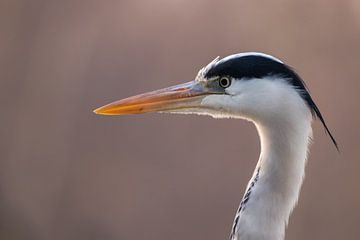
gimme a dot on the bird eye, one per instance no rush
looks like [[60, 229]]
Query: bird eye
[[224, 82]]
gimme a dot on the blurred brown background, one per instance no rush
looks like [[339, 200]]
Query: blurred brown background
[[66, 173]]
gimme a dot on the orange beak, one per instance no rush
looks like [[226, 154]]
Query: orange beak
[[183, 96]]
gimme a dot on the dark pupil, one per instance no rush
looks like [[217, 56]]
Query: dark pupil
[[224, 82]]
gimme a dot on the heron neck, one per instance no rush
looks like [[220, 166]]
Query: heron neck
[[274, 188]]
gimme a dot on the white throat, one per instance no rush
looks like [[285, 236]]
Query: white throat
[[274, 189]]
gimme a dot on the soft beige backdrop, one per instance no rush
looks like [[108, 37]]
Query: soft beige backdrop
[[68, 174]]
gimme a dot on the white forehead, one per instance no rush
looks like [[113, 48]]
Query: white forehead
[[250, 54]]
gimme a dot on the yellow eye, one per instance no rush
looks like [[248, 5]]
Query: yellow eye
[[224, 82]]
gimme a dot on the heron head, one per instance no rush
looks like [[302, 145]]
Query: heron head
[[254, 86], [246, 85]]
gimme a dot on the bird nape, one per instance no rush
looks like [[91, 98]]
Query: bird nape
[[261, 89]]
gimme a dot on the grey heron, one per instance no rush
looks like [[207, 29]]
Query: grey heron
[[262, 89]]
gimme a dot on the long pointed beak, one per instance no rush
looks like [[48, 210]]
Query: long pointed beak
[[187, 95]]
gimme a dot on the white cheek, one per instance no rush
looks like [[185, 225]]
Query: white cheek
[[222, 106], [226, 102], [237, 87], [234, 104]]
